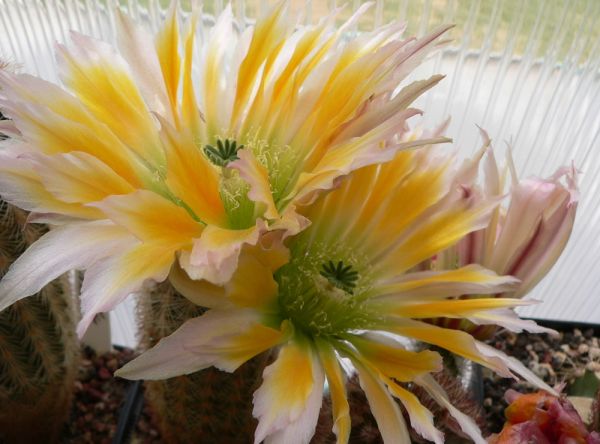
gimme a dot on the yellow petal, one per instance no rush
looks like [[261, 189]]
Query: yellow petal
[[78, 177], [337, 391], [108, 282], [190, 115], [434, 230], [252, 284], [421, 419], [190, 176], [456, 341], [221, 338], [55, 122], [453, 308], [394, 361], [100, 79], [200, 292], [151, 217], [167, 48], [436, 285], [267, 36], [290, 396], [385, 410]]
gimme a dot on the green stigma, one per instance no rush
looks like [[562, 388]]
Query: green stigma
[[343, 277], [321, 296], [225, 152]]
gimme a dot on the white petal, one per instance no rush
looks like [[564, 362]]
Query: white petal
[[65, 248], [515, 365], [108, 282], [508, 319], [466, 424], [137, 47], [210, 339], [385, 410], [302, 430], [287, 404]]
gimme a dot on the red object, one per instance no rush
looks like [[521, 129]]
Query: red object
[[540, 418]]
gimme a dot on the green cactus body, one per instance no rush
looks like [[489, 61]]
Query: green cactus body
[[38, 347], [209, 406]]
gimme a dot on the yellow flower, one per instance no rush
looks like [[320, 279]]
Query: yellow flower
[[155, 153], [349, 290]]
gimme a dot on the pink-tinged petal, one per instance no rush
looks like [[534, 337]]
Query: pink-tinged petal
[[251, 284], [385, 410], [375, 113], [78, 177], [536, 228], [151, 217], [221, 338], [337, 390], [287, 403], [437, 285], [68, 247], [421, 419], [466, 424], [215, 254], [21, 185], [257, 176], [138, 49], [108, 282], [508, 319], [8, 128]]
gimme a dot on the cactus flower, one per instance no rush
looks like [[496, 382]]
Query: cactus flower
[[153, 156], [523, 239], [348, 290]]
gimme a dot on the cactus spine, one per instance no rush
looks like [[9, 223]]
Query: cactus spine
[[38, 347], [207, 406]]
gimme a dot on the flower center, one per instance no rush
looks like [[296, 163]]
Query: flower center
[[225, 152], [322, 297]]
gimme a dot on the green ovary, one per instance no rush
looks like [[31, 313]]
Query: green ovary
[[315, 302]]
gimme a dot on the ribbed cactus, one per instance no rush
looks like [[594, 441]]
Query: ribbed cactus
[[209, 406], [38, 347]]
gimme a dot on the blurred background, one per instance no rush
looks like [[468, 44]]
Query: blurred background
[[525, 70]]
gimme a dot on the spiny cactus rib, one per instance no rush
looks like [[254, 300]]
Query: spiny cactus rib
[[38, 347], [206, 406]]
